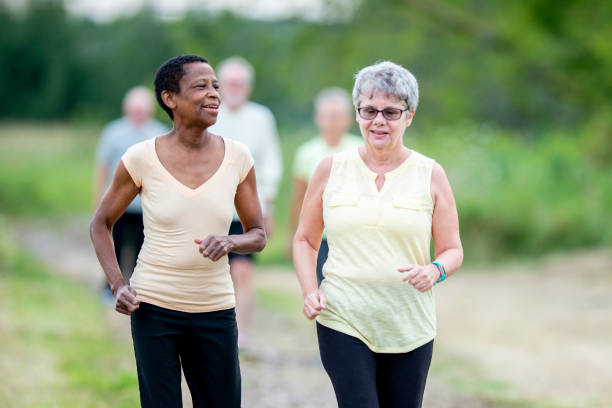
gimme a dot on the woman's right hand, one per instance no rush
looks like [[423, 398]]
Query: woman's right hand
[[314, 302], [126, 301], [214, 247]]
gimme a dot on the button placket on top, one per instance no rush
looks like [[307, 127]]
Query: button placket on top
[[379, 194]]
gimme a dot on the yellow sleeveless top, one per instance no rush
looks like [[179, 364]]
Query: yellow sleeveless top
[[370, 235]]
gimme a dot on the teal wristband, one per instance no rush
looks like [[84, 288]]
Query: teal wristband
[[442, 271]]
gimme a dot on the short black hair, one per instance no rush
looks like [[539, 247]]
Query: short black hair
[[169, 74]]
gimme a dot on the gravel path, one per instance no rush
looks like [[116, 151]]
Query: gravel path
[[541, 332]]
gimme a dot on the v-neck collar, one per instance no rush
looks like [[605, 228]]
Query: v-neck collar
[[181, 186]]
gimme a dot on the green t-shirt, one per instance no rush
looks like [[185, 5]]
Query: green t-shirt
[[309, 155]]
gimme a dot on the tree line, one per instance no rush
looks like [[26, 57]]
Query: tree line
[[518, 65]]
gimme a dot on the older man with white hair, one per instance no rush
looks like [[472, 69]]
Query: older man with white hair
[[136, 125], [254, 125]]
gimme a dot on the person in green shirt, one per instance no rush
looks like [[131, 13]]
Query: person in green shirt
[[333, 118]]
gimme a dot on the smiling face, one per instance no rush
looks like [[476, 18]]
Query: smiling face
[[198, 100], [380, 133]]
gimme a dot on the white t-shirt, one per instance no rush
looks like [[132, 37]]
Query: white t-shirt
[[254, 125]]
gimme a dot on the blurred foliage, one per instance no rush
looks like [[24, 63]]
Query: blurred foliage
[[46, 169], [520, 65], [521, 197], [516, 196]]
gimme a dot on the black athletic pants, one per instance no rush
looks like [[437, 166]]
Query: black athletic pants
[[204, 344], [362, 378], [321, 258]]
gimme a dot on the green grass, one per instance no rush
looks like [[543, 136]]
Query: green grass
[[285, 304], [46, 169], [57, 349], [461, 375]]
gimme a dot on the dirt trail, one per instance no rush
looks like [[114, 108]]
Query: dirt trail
[[540, 332]]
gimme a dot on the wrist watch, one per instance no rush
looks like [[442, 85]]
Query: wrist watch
[[442, 271]]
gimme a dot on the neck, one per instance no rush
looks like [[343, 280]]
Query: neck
[[191, 136], [389, 157]]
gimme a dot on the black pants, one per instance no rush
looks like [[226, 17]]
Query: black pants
[[204, 344], [128, 236], [321, 258], [362, 378]]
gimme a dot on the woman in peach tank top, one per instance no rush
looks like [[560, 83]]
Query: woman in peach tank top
[[180, 297], [381, 205]]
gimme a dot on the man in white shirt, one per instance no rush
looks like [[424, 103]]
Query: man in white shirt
[[253, 125]]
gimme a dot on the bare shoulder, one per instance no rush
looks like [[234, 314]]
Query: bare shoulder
[[322, 172], [438, 174], [440, 186]]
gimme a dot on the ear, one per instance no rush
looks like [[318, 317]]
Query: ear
[[168, 98], [356, 114], [409, 117]]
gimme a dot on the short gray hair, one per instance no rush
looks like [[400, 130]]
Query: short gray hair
[[333, 94], [390, 78], [237, 61]]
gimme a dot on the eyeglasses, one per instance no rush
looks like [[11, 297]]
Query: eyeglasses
[[369, 113]]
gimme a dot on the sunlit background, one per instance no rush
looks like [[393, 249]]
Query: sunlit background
[[516, 102]]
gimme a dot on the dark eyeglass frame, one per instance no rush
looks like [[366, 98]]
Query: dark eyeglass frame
[[381, 111]]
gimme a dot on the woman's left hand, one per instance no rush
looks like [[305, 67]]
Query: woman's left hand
[[214, 247], [422, 277]]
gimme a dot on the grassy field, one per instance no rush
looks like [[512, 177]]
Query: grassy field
[[55, 351], [46, 169]]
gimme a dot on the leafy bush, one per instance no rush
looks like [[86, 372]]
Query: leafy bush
[[521, 196]]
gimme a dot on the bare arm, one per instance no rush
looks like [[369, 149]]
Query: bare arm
[[308, 239], [445, 223], [249, 210], [120, 194], [445, 232]]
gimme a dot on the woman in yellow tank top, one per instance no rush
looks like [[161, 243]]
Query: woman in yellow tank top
[[380, 204]]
